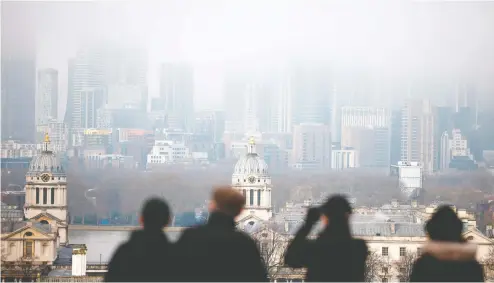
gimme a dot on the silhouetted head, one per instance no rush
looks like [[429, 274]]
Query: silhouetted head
[[444, 225], [155, 214], [227, 201], [335, 213]]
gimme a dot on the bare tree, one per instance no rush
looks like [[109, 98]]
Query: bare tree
[[25, 267], [373, 266], [488, 263], [272, 247], [404, 266]]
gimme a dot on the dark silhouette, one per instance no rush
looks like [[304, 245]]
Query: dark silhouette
[[334, 256], [217, 251], [147, 256], [447, 257]]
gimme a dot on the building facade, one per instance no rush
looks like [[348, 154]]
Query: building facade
[[311, 146], [47, 96]]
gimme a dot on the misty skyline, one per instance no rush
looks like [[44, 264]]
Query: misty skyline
[[399, 42]]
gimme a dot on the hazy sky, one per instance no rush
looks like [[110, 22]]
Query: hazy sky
[[396, 40]]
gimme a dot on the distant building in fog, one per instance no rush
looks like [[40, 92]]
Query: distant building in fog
[[417, 134], [367, 129], [177, 92], [344, 159], [311, 147], [46, 96]]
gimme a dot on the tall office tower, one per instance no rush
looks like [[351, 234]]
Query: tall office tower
[[367, 129], [87, 103], [47, 96], [86, 72], [311, 146], [18, 68], [311, 98], [177, 90], [443, 123], [395, 141], [445, 151], [417, 134]]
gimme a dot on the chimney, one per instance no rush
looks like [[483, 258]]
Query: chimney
[[79, 261], [392, 227]]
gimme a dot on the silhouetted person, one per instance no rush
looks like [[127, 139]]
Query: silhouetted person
[[146, 257], [334, 255], [447, 256], [217, 251]]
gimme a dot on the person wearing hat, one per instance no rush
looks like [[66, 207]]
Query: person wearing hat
[[335, 256], [447, 256]]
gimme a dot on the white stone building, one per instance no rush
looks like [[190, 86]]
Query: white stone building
[[251, 178], [167, 152], [344, 159]]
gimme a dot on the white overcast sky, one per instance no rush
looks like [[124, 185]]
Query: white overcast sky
[[447, 39]]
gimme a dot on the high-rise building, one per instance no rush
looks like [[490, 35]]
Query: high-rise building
[[445, 152], [417, 134], [18, 68], [395, 141], [177, 90], [367, 129], [311, 146], [87, 103], [47, 96]]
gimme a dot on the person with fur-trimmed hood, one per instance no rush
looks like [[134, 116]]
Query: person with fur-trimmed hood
[[447, 257]]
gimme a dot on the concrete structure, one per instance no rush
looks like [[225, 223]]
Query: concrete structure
[[409, 178], [445, 156], [417, 134], [251, 177], [47, 96], [367, 129], [311, 146], [344, 159], [458, 144]]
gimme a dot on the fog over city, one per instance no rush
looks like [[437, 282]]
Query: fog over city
[[341, 119], [390, 42]]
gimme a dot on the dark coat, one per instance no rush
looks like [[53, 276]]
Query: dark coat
[[452, 262], [218, 252], [326, 259], [146, 257]]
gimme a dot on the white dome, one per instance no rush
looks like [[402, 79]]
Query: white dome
[[251, 164], [46, 162]]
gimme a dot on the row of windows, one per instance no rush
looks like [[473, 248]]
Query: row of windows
[[45, 195], [403, 251]]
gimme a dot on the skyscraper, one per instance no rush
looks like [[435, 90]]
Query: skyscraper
[[177, 90], [311, 146], [18, 68], [367, 129], [417, 134], [47, 96]]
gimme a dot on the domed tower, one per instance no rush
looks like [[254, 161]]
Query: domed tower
[[251, 178], [46, 192]]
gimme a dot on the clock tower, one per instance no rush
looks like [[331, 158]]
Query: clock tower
[[46, 192], [251, 178]]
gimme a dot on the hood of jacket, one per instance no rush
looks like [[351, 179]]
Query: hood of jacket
[[451, 251]]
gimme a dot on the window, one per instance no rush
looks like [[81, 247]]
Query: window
[[37, 195], [385, 270], [28, 249], [245, 197], [469, 238], [251, 197], [52, 196], [402, 270], [385, 251], [45, 196], [44, 222], [403, 251], [259, 198], [385, 279]]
